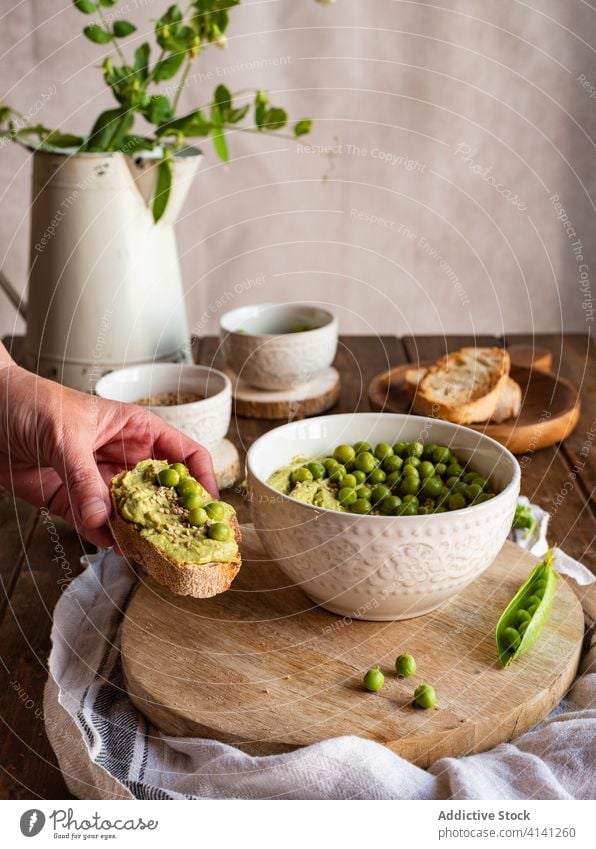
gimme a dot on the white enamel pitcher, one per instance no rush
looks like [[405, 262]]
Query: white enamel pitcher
[[105, 289]]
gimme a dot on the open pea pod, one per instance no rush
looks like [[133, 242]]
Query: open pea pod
[[525, 616]]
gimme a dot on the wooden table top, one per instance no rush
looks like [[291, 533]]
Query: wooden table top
[[560, 479]]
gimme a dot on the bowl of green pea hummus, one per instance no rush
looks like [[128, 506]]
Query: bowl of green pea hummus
[[374, 566]]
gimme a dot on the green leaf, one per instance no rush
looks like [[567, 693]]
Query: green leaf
[[303, 127], [163, 188], [87, 7], [194, 124], [141, 65], [275, 119], [133, 144], [97, 34], [123, 28], [108, 3], [235, 115], [65, 140], [159, 110], [168, 68], [109, 129], [219, 143], [223, 99], [5, 113]]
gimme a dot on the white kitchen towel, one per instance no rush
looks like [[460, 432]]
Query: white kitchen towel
[[107, 750]]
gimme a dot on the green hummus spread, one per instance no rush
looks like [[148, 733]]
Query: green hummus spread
[[162, 520], [320, 493]]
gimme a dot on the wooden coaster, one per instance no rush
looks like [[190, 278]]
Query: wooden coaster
[[309, 399], [549, 412], [262, 668], [226, 464]]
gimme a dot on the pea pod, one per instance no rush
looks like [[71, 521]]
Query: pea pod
[[525, 616]]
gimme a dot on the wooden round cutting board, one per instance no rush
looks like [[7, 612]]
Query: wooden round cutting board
[[549, 412], [309, 399], [261, 668]]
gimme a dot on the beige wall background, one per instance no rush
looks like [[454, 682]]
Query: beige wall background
[[451, 140]]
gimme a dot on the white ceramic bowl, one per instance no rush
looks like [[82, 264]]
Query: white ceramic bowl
[[259, 346], [206, 421], [380, 567]]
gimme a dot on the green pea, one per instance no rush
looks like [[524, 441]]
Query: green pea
[[405, 665], [379, 493], [346, 496], [393, 463], [377, 476], [441, 469], [337, 474], [409, 486], [450, 482], [301, 475], [190, 500], [425, 696], [359, 447], [414, 449], [330, 464], [533, 600], [486, 496], [344, 453], [181, 469], [383, 450], [215, 510], [197, 516], [348, 480], [407, 509], [459, 488], [361, 505], [427, 451], [523, 625], [426, 469], [411, 463], [168, 477], [470, 477], [456, 501], [317, 470], [441, 454], [511, 638], [432, 487], [219, 531], [440, 509], [389, 504], [365, 461], [374, 679], [454, 470], [349, 467], [521, 616], [411, 499], [359, 475], [188, 485], [364, 492], [539, 587], [480, 481], [400, 448], [426, 510], [393, 479], [532, 609], [472, 491]]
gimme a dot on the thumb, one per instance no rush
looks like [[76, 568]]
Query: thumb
[[87, 492]]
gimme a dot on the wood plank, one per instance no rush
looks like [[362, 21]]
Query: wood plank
[[30, 767], [189, 673], [17, 521]]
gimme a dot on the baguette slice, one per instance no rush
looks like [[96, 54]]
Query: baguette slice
[[412, 378], [509, 404], [465, 386], [200, 580]]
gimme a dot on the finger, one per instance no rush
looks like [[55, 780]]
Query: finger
[[175, 446], [88, 495]]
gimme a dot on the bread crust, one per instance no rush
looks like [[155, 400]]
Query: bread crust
[[483, 398], [200, 580], [509, 403]]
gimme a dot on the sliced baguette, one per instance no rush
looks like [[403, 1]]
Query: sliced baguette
[[412, 378], [509, 403], [465, 386], [200, 580]]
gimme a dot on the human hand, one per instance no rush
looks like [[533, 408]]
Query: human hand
[[60, 448]]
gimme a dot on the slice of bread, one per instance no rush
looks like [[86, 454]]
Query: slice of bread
[[509, 403], [464, 386], [412, 378], [200, 580]]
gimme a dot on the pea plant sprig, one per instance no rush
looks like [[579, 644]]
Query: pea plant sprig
[[180, 36]]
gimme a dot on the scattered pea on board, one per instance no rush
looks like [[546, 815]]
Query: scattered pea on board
[[526, 614]]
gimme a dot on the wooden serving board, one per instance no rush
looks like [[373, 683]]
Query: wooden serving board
[[261, 668], [549, 412], [309, 399]]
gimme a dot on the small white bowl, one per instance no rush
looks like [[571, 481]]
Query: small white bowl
[[206, 421], [260, 347], [379, 567]]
